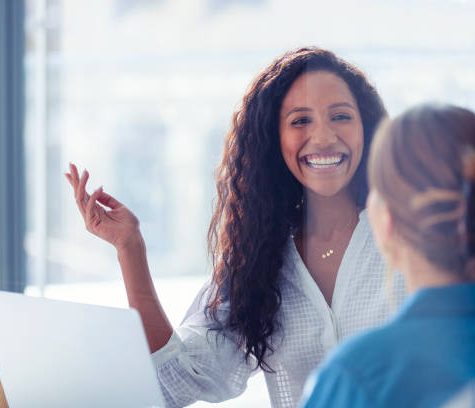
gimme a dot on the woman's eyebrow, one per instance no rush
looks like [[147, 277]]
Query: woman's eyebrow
[[342, 105], [298, 109]]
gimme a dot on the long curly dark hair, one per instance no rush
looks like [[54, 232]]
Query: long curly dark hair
[[257, 200]]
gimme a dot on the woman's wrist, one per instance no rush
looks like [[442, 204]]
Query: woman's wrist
[[132, 244]]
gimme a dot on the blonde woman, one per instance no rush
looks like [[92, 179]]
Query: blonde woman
[[422, 210]]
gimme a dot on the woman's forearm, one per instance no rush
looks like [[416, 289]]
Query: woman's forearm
[[141, 292], [3, 400]]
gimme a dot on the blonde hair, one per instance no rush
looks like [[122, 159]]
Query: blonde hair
[[422, 163]]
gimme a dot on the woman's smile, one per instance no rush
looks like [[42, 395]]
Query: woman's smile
[[324, 162]]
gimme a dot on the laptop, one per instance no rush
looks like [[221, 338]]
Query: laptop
[[64, 354]]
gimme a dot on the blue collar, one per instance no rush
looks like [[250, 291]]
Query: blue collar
[[440, 301]]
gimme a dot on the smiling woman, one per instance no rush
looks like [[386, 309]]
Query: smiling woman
[[291, 187]]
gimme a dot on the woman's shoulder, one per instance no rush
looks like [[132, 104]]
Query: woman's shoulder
[[352, 373], [363, 352]]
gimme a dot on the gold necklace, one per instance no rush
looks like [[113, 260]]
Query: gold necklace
[[329, 252]]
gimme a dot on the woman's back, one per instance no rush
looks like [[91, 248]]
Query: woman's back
[[422, 358]]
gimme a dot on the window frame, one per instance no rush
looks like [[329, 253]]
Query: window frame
[[12, 173]]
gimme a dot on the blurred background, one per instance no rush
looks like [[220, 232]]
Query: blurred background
[[141, 93]]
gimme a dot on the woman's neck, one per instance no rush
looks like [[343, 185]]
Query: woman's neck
[[326, 215], [419, 273]]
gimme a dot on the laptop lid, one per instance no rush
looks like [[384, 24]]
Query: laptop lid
[[64, 354]]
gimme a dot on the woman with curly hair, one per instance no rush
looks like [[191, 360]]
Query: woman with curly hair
[[422, 209], [295, 265]]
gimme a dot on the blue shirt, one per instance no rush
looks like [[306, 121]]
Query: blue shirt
[[422, 358]]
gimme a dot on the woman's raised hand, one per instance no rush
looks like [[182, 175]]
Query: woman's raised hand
[[103, 215]]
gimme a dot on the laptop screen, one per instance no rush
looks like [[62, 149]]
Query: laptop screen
[[56, 354]]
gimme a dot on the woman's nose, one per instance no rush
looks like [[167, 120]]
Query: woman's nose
[[323, 135]]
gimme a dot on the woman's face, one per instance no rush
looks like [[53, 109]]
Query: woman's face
[[321, 132]]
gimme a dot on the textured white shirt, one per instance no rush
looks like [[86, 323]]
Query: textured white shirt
[[197, 364]]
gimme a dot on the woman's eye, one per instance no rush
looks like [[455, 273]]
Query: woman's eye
[[341, 117], [301, 121]]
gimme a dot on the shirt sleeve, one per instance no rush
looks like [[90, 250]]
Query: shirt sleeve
[[334, 386], [200, 364]]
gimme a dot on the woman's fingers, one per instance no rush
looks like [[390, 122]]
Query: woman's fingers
[[69, 178], [78, 183], [92, 210], [74, 174], [86, 203], [109, 201], [81, 196]]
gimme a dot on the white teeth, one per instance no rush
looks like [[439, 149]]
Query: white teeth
[[324, 161]]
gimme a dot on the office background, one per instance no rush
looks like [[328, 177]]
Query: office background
[[141, 92]]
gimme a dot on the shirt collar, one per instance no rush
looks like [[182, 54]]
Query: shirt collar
[[440, 301]]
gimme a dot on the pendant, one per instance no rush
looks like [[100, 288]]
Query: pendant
[[327, 254]]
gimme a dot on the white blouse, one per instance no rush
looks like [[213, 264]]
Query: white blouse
[[197, 364]]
